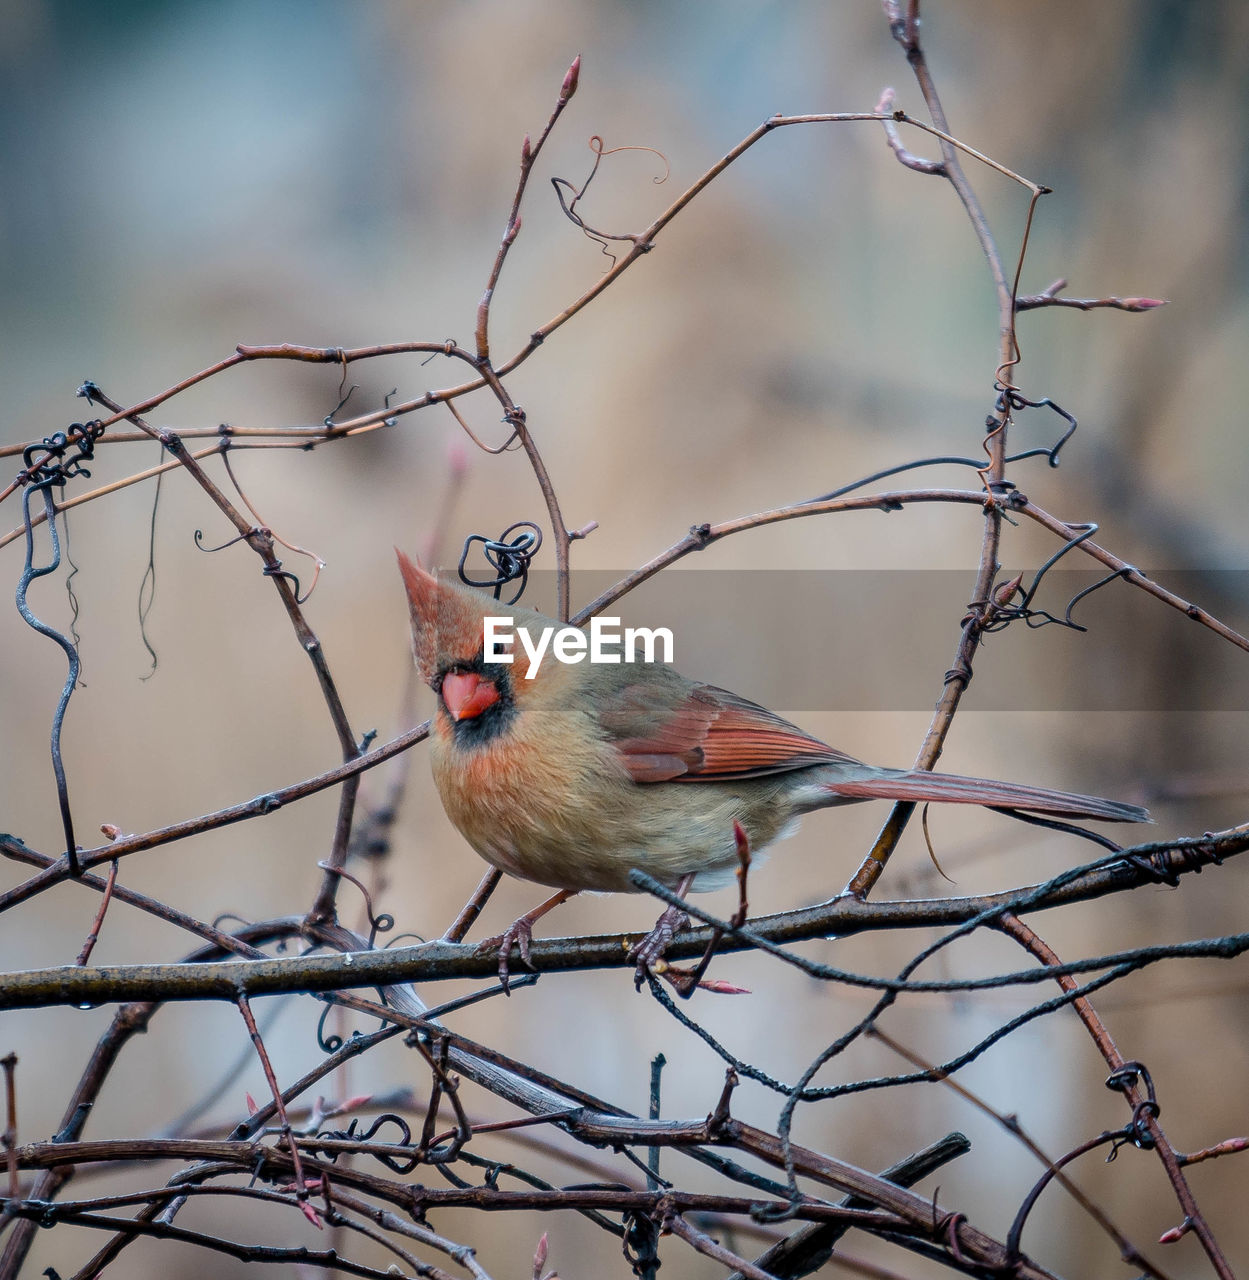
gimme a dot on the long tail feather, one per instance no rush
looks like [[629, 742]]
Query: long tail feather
[[952, 789]]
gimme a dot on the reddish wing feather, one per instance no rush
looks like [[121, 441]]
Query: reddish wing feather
[[712, 735]]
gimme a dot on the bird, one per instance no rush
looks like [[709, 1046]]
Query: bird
[[573, 774]]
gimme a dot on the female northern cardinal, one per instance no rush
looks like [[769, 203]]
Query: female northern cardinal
[[576, 776]]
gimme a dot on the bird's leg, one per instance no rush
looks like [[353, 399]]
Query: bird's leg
[[520, 933], [650, 950], [687, 981]]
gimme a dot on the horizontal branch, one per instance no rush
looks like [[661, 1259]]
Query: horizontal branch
[[894, 1207], [703, 535], [328, 1259], [249, 1156], [441, 961], [1052, 296]]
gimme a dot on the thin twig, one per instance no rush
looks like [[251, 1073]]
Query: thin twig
[[469, 912], [93, 936], [1027, 938], [244, 1007], [528, 155], [1127, 1250]]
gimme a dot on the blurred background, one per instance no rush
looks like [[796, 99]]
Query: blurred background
[[179, 178]]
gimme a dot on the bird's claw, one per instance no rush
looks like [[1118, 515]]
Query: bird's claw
[[518, 934], [648, 953]]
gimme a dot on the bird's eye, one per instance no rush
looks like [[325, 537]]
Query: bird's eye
[[503, 652]]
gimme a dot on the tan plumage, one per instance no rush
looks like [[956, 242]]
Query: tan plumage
[[586, 771]]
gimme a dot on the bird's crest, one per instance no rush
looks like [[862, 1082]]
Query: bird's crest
[[446, 620]]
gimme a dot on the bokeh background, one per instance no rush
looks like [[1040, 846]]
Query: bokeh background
[[180, 177]]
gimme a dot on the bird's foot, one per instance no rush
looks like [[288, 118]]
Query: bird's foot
[[518, 934], [648, 954]]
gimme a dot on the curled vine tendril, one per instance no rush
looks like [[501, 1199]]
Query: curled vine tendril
[[509, 559], [47, 466]]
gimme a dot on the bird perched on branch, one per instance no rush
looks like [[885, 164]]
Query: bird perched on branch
[[585, 771]]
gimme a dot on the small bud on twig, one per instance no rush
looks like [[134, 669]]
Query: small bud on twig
[[1175, 1234], [569, 87], [1006, 592], [350, 1104]]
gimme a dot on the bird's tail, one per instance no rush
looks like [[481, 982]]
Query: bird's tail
[[917, 785]]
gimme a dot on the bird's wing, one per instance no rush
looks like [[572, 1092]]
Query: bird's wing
[[700, 733]]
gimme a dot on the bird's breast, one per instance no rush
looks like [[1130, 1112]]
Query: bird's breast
[[528, 803], [573, 819]]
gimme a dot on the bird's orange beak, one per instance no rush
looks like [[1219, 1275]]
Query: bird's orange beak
[[468, 694]]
